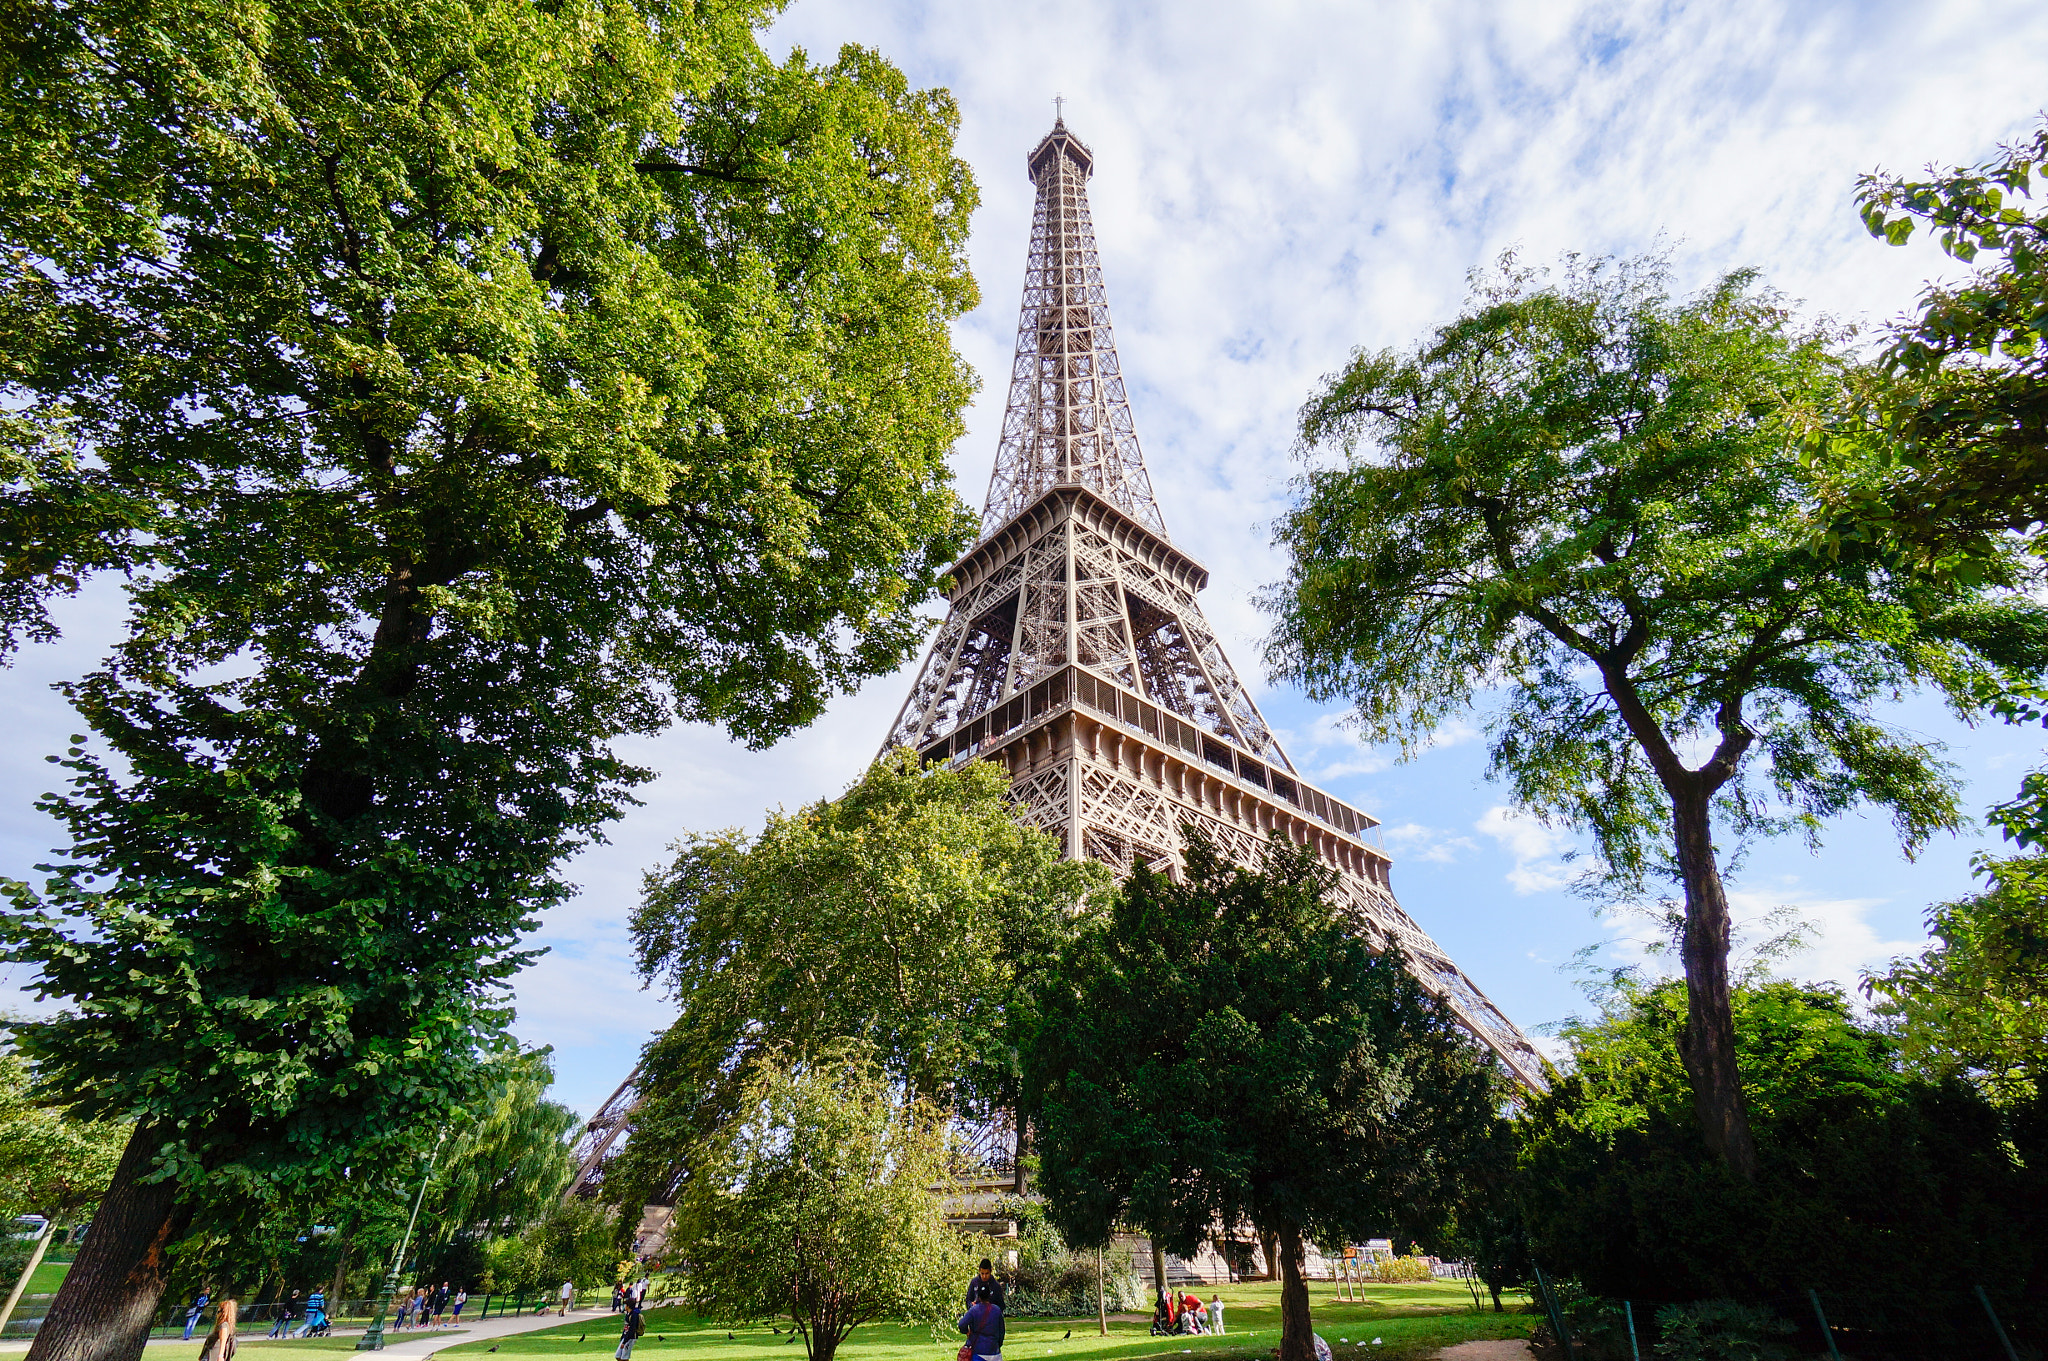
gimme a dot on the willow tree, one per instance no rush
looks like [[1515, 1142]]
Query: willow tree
[[1586, 503], [455, 388]]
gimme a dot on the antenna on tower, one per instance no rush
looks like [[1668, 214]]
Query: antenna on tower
[[1059, 108]]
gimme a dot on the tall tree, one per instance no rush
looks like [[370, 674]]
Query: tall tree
[[1589, 500], [458, 387], [906, 914], [816, 1204], [1225, 1049]]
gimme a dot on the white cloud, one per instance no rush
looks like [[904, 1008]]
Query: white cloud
[[1537, 850], [1413, 841], [1838, 940]]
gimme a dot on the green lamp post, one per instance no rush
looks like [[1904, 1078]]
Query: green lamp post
[[373, 1339]]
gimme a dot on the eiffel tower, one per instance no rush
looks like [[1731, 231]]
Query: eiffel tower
[[1076, 655]]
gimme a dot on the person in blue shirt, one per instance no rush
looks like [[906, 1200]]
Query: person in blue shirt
[[316, 1314], [983, 1324], [199, 1303]]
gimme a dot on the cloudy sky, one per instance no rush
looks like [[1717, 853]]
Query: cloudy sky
[[1276, 184]]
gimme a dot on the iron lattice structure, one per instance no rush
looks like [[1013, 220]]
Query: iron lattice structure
[[1075, 652]]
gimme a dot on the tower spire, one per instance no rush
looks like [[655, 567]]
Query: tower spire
[[1068, 422]]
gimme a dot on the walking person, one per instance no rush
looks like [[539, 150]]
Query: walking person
[[618, 1296], [1216, 1314], [287, 1310], [455, 1318], [199, 1303], [568, 1296], [983, 1324], [404, 1313], [630, 1330], [440, 1304], [220, 1343], [316, 1314]]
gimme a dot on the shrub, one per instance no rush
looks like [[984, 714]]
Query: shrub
[[1396, 1270], [1857, 1157], [1721, 1330]]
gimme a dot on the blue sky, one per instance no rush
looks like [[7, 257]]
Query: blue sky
[[1276, 184]]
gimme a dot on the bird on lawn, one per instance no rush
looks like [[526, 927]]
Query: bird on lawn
[[1067, 1334], [792, 1338], [494, 1346], [729, 1337], [579, 1338]]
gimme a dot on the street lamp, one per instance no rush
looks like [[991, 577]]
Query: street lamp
[[373, 1339]]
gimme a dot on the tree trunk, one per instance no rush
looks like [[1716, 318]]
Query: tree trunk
[[340, 1280], [1297, 1329], [35, 1259], [1708, 1045], [1159, 1266], [103, 1309], [1101, 1304], [1495, 1291], [1269, 1244]]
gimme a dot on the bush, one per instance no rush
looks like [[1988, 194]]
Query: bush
[[1721, 1330], [1856, 1157], [1051, 1280], [1397, 1270]]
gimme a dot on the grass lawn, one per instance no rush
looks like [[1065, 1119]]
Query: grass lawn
[[1411, 1321], [49, 1275]]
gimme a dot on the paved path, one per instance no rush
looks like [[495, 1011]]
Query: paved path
[[427, 1341]]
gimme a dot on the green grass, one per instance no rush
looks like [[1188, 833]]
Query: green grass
[[49, 1275], [1411, 1321]]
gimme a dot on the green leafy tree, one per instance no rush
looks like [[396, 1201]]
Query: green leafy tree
[[906, 913], [1588, 500], [458, 387], [1225, 1049], [1949, 455], [574, 1241], [1975, 1002], [50, 1164], [1857, 1157], [816, 1204]]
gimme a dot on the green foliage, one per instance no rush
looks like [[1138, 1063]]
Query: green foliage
[[1856, 1158], [1593, 493], [459, 387], [1052, 1280], [817, 1204], [576, 1241], [50, 1163], [1226, 1048], [903, 913], [1721, 1330], [1975, 1002], [510, 1162], [1950, 453], [1589, 499]]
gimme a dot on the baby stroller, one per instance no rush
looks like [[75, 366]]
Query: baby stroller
[[1162, 1318]]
